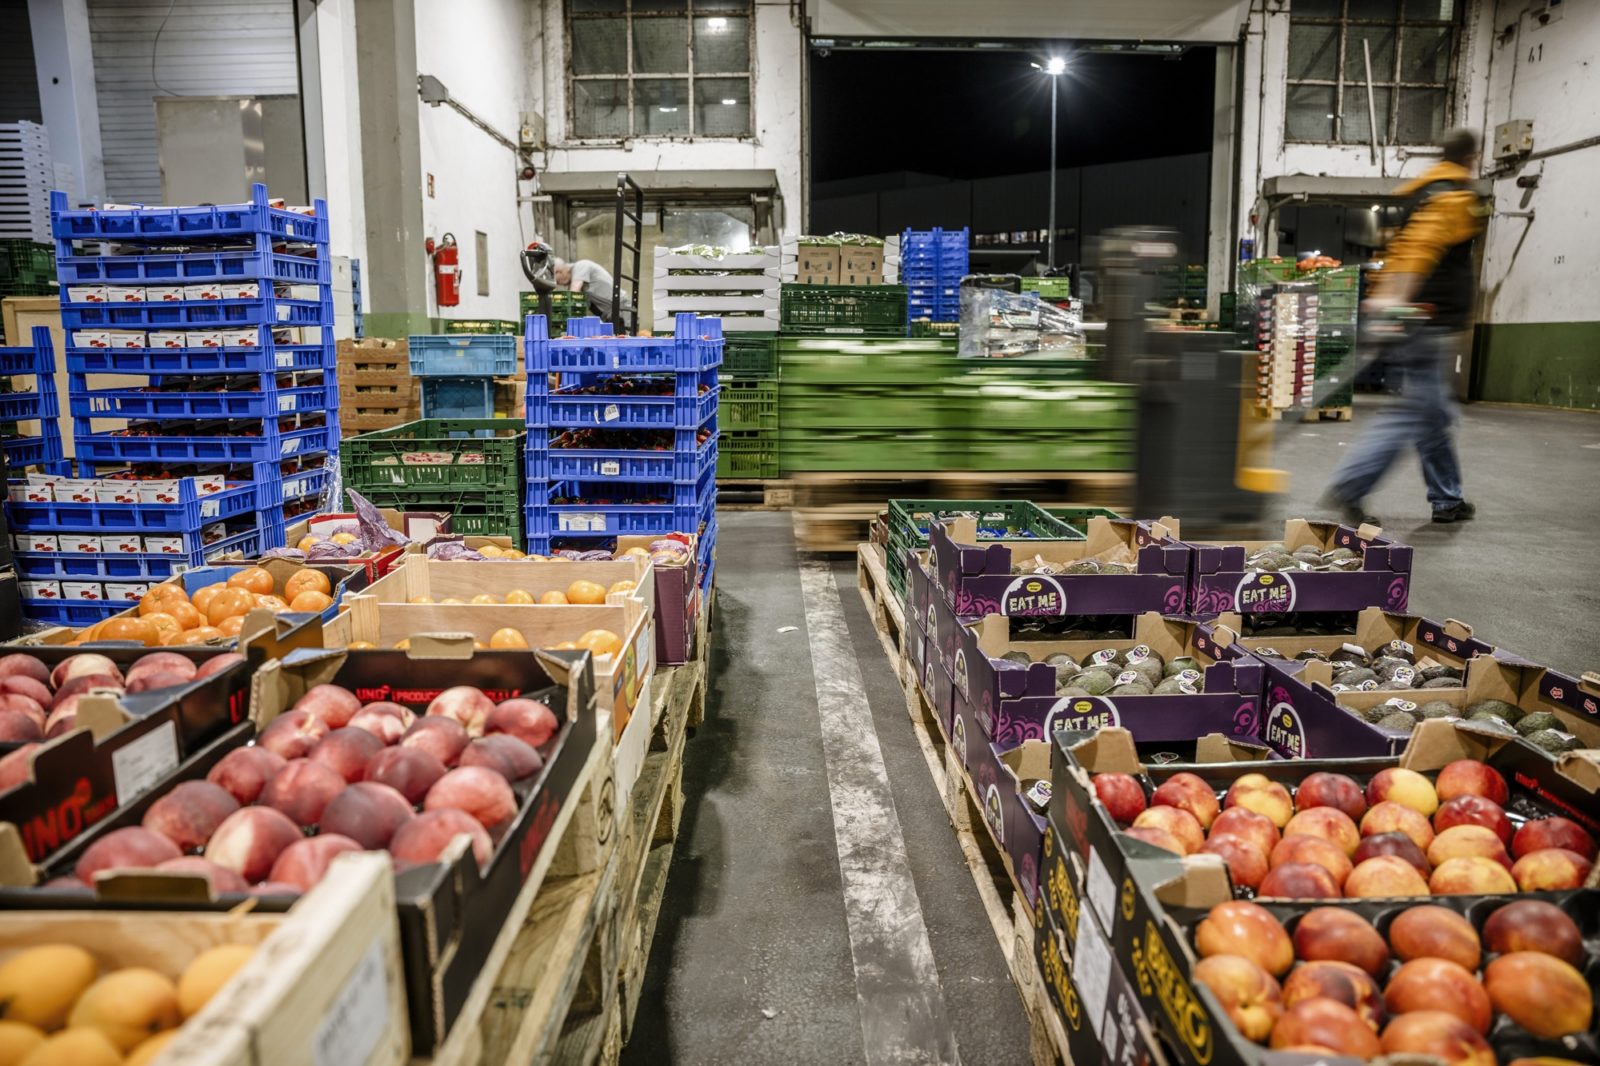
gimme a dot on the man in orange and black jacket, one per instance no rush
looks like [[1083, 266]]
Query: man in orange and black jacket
[[1427, 265]]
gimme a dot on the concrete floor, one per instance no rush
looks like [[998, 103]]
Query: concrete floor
[[754, 960]]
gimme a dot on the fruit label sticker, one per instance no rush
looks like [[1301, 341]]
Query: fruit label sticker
[[1403, 675], [994, 813], [1188, 677], [1091, 969], [1138, 654], [611, 413], [1187, 688], [1034, 594], [1400, 705], [359, 1017], [610, 468], [1368, 685], [1039, 793], [1285, 732], [139, 764], [958, 737], [1264, 592], [1103, 656], [1128, 677], [1403, 647], [1084, 713]]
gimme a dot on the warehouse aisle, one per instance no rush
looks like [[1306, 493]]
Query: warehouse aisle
[[765, 951]]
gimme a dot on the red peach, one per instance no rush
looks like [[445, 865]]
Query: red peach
[[368, 813], [386, 721], [1326, 1023], [84, 683], [1438, 984], [1396, 784], [1384, 875], [466, 705], [19, 727], [17, 703], [303, 863], [222, 879], [1246, 864], [425, 837], [1462, 840], [274, 888], [504, 754], [251, 839], [1534, 925], [33, 688], [1436, 1035], [1349, 984], [1121, 795], [190, 813], [333, 704], [1158, 837], [1329, 823], [1470, 875], [133, 847], [1432, 931], [1247, 825], [18, 664], [153, 680], [1469, 777], [1248, 994], [1391, 817], [244, 771], [1340, 935], [1188, 792], [1300, 880], [480, 792], [443, 738], [1248, 929], [1261, 794], [1551, 869], [1554, 832], [410, 771], [302, 790], [1180, 823], [293, 734], [17, 766], [80, 665], [530, 721], [346, 751], [1396, 844], [1324, 789], [216, 664], [1300, 848], [1473, 810], [63, 718], [166, 662]]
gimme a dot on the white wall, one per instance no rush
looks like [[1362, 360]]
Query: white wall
[[478, 49], [342, 177], [64, 60], [777, 97]]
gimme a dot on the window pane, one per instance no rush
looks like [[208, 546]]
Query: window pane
[[1425, 53], [580, 7], [1386, 10], [599, 46], [1421, 118], [1313, 51], [721, 5], [679, 6], [600, 108], [661, 107], [722, 107], [1355, 126], [1309, 115], [721, 45], [660, 46], [1431, 9], [1380, 39], [1318, 8]]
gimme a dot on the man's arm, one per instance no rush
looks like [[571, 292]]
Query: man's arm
[[1444, 220]]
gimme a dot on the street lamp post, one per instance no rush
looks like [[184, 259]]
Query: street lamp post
[[1053, 68]]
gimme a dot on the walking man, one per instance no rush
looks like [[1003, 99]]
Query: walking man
[[1428, 265]]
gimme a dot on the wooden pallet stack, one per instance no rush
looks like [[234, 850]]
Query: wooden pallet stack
[[376, 388]]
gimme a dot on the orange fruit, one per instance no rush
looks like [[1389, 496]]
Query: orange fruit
[[452, 601], [203, 597], [200, 635], [601, 642], [582, 591], [479, 645], [554, 597], [307, 580], [565, 645], [311, 601], [343, 538], [183, 612], [491, 551], [131, 628], [251, 579], [421, 599], [273, 603], [519, 596], [638, 553], [165, 625], [485, 597], [151, 601], [360, 645], [507, 638], [228, 603], [512, 553], [622, 586], [305, 542], [230, 627]]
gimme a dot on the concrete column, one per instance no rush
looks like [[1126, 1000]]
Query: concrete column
[[396, 268], [1221, 247], [67, 98]]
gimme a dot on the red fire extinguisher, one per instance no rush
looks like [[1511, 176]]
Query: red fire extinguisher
[[446, 270]]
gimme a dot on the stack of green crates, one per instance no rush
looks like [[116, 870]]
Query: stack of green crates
[[563, 305], [471, 467], [27, 269], [1051, 289], [747, 410], [996, 519], [842, 310], [481, 325], [1338, 299], [1183, 283]]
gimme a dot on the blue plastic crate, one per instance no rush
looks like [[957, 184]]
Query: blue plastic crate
[[266, 359], [43, 450], [104, 448], [255, 405], [29, 406], [688, 495], [936, 238], [37, 359], [547, 520], [74, 613], [168, 224], [265, 310], [471, 397], [185, 516], [463, 355], [261, 264], [695, 345], [622, 412], [595, 464], [302, 485], [74, 566]]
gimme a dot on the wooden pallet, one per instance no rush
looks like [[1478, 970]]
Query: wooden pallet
[[883, 606], [1328, 414], [754, 494]]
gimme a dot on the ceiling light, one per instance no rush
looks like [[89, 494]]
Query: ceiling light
[[716, 25], [667, 110], [729, 102], [1055, 65], [1374, 207]]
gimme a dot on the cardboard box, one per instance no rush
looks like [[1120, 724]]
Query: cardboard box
[[242, 290], [125, 294], [75, 490], [164, 546], [164, 293], [998, 779], [81, 543], [677, 597], [39, 590], [167, 338], [1219, 581], [819, 264], [125, 591], [861, 264], [203, 290], [117, 492], [121, 544], [86, 294], [417, 525], [249, 337], [29, 492], [417, 576], [36, 542], [978, 579], [203, 338]]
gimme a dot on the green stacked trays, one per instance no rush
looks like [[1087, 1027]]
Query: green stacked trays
[[27, 269], [471, 467], [748, 403], [1078, 517], [747, 454], [747, 410], [843, 310], [563, 305], [480, 325], [751, 353], [909, 521]]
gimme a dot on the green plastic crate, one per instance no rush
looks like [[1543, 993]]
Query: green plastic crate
[[747, 454], [480, 325], [1079, 516], [1021, 450], [443, 454], [866, 407], [909, 522], [1266, 271], [748, 403], [27, 263], [1339, 279], [473, 514], [848, 310], [887, 451], [1049, 288], [860, 361], [750, 352], [921, 327], [1072, 406]]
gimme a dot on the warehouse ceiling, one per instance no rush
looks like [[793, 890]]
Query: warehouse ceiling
[[1186, 21]]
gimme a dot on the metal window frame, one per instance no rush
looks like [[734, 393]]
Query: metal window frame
[[689, 76], [1391, 80]]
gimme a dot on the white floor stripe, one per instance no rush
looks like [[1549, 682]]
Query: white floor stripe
[[897, 985]]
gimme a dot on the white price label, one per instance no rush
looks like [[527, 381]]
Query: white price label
[[1091, 971], [358, 1016], [610, 468], [611, 413], [1101, 890], [290, 446], [210, 509], [285, 359], [578, 522], [139, 764], [286, 403]]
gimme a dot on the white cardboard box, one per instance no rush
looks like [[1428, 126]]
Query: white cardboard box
[[81, 543], [40, 590], [205, 290], [82, 590], [76, 490], [204, 338], [240, 338], [164, 546], [129, 591], [168, 338], [241, 290], [125, 294], [86, 294], [120, 544], [164, 293], [36, 542], [117, 492], [125, 338]]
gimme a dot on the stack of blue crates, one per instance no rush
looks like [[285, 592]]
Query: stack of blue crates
[[457, 371], [932, 264], [34, 401], [624, 443], [227, 311]]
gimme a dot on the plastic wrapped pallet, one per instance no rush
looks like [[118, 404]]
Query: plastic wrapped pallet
[[1002, 325]]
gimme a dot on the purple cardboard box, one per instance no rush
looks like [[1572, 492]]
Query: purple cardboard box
[[1219, 581], [975, 580], [919, 588], [1449, 642], [1014, 703], [1532, 687], [998, 778]]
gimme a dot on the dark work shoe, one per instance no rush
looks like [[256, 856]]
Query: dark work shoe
[[1350, 514], [1461, 511]]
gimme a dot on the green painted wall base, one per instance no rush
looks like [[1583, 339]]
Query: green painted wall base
[[397, 323], [1555, 364]]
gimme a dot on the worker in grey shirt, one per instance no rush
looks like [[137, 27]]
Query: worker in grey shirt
[[585, 275]]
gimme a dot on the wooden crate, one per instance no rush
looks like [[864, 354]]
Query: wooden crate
[[324, 985]]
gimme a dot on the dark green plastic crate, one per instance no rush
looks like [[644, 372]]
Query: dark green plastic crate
[[480, 325], [472, 514], [849, 310], [748, 403], [886, 451], [750, 352], [747, 454], [499, 440]]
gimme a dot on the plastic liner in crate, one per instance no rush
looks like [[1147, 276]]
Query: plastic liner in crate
[[269, 358], [859, 310], [168, 269], [696, 344], [165, 224], [607, 464], [458, 397], [747, 454], [482, 453], [463, 355], [186, 516], [265, 310], [605, 411], [546, 519], [147, 566], [254, 405], [276, 443]]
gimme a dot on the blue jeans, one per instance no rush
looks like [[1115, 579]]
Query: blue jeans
[[1422, 416]]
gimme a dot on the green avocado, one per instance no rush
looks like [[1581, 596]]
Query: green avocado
[[1442, 682], [1434, 672], [1438, 709], [1071, 690], [1399, 721], [1132, 688], [1551, 740], [1095, 682], [1500, 707], [1082, 566], [1180, 664], [1354, 676], [1536, 722], [1017, 657]]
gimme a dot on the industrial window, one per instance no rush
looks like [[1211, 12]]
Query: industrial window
[[1411, 45], [658, 68]]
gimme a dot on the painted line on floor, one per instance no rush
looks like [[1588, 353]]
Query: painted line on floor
[[897, 985]]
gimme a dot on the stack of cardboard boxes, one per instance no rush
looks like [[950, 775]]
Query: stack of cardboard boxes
[[834, 261], [376, 388]]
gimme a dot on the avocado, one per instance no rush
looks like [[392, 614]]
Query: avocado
[[1442, 682], [1116, 568], [1536, 722], [1149, 669], [1484, 714], [1309, 655], [1334, 555], [1066, 666], [1082, 566], [1394, 686], [1433, 672], [1017, 657], [1377, 713], [1385, 666], [1172, 686], [1500, 707], [1438, 709], [1132, 688], [1072, 691], [1552, 740], [1354, 675], [1180, 664], [1094, 682], [1399, 721], [1275, 546]]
